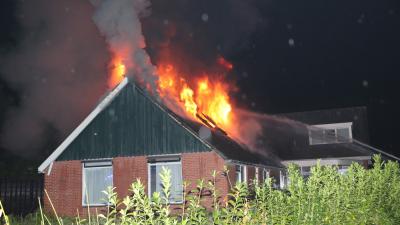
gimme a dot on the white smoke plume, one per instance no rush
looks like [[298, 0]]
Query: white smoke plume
[[119, 22]]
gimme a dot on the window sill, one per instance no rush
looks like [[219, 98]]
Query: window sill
[[95, 205]]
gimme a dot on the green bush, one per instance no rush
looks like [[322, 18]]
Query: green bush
[[359, 196]]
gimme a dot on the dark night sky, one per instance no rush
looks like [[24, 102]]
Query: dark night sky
[[345, 53], [303, 55]]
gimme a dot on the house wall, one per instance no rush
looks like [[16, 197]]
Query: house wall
[[64, 184]]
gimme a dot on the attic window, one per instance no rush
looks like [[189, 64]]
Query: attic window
[[97, 176], [330, 133]]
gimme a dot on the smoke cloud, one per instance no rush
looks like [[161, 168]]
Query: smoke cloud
[[119, 22], [58, 68], [192, 34], [268, 134]]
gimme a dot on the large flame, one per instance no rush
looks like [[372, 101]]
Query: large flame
[[118, 71], [202, 98]]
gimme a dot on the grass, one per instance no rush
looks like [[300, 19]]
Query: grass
[[360, 196]]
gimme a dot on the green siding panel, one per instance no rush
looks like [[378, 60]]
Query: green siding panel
[[132, 125]]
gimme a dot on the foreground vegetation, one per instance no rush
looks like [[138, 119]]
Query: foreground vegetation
[[359, 196]]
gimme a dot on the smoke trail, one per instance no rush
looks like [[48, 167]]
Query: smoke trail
[[119, 22], [59, 58], [266, 134]]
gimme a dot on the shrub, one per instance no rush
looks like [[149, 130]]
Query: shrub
[[359, 196]]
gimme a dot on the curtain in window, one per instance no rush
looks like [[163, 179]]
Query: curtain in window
[[97, 179], [176, 180]]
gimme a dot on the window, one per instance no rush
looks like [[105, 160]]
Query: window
[[256, 175], [97, 177], [306, 171], [155, 184], [330, 133], [342, 169], [265, 174], [241, 173], [283, 180]]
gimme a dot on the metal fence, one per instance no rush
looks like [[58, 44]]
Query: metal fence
[[20, 195]]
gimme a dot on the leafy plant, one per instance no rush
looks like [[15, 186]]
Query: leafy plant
[[360, 196]]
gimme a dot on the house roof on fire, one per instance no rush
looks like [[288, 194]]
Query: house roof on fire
[[130, 122]]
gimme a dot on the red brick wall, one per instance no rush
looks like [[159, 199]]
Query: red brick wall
[[64, 184], [126, 170], [64, 187], [197, 166]]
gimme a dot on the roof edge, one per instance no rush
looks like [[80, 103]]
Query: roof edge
[[99, 108], [376, 150]]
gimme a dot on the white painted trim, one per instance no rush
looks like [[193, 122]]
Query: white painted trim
[[149, 176], [237, 162], [327, 161], [242, 168], [257, 174], [99, 108], [376, 150], [49, 170], [330, 126], [333, 125], [282, 180], [245, 173], [265, 174]]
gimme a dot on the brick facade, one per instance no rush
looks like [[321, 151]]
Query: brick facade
[[64, 184]]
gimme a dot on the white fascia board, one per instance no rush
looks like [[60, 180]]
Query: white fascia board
[[102, 105], [333, 125], [327, 161]]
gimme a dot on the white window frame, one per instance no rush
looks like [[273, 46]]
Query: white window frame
[[244, 169], [265, 174], [284, 180], [149, 164], [94, 164], [257, 174], [331, 126]]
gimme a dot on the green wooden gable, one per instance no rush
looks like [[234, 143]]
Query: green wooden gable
[[132, 125]]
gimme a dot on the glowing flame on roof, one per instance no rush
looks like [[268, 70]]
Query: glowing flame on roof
[[202, 97]]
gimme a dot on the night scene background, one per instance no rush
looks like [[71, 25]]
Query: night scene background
[[288, 56]]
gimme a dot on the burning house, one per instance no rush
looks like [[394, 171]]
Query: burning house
[[158, 117], [130, 136]]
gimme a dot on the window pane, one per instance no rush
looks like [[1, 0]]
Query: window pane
[[316, 136], [153, 179], [329, 136], [239, 177], [176, 180], [343, 134], [97, 179], [243, 173]]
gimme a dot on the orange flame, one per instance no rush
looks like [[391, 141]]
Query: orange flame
[[203, 99], [118, 71], [206, 97]]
